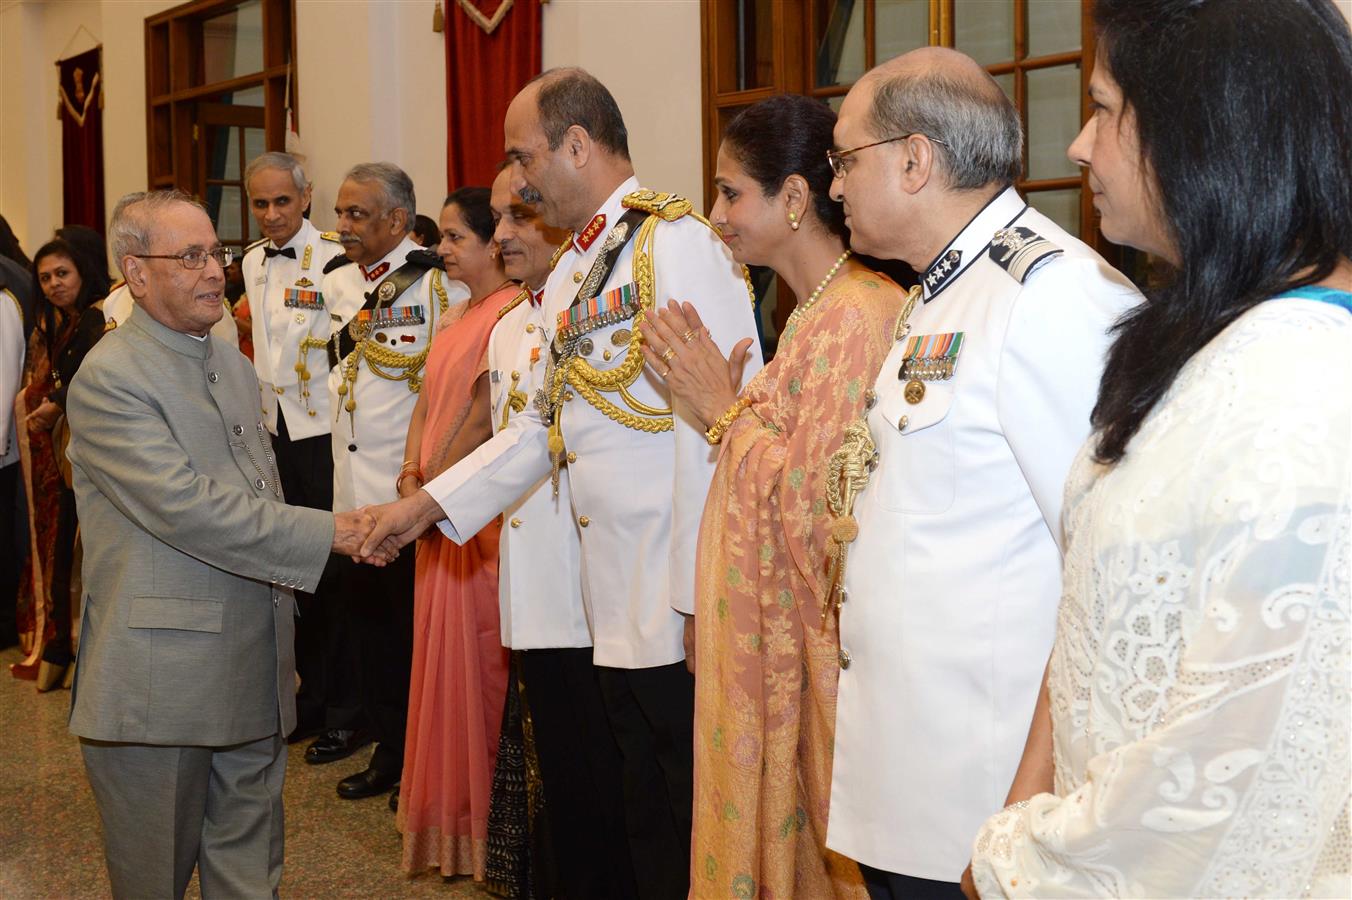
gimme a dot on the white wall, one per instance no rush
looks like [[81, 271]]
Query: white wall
[[371, 85]]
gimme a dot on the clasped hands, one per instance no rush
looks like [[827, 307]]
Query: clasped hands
[[679, 349], [375, 534]]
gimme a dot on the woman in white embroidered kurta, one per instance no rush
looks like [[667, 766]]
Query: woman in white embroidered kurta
[[1199, 684]]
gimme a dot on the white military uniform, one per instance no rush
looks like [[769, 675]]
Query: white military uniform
[[638, 496], [119, 303], [292, 322], [368, 440], [539, 560], [12, 352], [953, 582]]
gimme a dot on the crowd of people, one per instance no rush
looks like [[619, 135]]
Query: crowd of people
[[1014, 582]]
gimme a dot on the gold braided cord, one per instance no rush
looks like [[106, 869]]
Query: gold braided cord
[[847, 474], [562, 249], [591, 381], [442, 300], [639, 406]]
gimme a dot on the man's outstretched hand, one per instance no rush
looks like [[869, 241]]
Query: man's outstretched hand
[[398, 524]]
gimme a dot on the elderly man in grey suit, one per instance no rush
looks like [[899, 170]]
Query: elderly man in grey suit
[[186, 677]]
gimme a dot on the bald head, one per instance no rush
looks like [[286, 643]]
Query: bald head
[[948, 97]]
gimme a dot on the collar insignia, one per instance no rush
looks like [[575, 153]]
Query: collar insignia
[[944, 268], [589, 234], [374, 274]]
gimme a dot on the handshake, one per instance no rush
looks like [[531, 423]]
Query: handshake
[[375, 534]]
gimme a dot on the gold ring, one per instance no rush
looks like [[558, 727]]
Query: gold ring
[[668, 353], [666, 373], [690, 335]]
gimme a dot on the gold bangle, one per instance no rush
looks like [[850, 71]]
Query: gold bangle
[[402, 475], [723, 422]]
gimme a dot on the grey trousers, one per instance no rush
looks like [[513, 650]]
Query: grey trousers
[[168, 810]]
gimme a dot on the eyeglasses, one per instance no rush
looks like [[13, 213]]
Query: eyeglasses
[[195, 259], [839, 158]]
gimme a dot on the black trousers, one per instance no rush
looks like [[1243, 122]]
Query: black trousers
[[651, 713], [580, 765], [13, 551], [895, 886], [326, 658], [377, 607]]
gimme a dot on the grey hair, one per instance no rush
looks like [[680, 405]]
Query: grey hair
[[396, 188], [129, 231], [980, 129], [284, 162]]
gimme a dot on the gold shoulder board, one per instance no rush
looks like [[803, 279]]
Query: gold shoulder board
[[258, 243], [513, 303], [331, 236], [558, 254], [668, 207]]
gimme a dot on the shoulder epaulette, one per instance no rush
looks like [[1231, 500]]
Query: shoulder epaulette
[[1019, 251], [425, 259], [514, 302], [116, 284], [336, 263], [258, 243], [330, 236], [668, 207]]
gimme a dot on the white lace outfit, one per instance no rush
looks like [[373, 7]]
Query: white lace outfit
[[1200, 678]]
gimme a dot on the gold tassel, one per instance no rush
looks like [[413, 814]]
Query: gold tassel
[[438, 18]]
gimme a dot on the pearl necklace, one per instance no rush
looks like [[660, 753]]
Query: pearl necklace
[[802, 308]]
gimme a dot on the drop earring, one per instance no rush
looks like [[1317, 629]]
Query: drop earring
[[793, 220]]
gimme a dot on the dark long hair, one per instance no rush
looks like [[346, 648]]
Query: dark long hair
[[51, 321], [90, 245], [9, 244], [788, 134], [1245, 119]]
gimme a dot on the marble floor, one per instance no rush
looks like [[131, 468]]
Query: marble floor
[[50, 842]]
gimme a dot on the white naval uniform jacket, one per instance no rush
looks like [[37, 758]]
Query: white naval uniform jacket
[[952, 585], [368, 442], [539, 560], [279, 328], [638, 497]]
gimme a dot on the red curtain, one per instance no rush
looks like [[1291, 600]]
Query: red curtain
[[484, 71], [80, 99]]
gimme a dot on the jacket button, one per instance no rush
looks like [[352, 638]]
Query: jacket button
[[902, 423], [213, 377], [567, 395], [260, 483], [844, 658], [352, 448], [572, 457], [530, 329], [275, 602], [238, 430], [577, 278], [516, 523], [583, 521]]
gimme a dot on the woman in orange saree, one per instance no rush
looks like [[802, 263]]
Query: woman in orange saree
[[766, 655], [459, 676]]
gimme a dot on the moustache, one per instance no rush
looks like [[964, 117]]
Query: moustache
[[530, 195], [346, 239]]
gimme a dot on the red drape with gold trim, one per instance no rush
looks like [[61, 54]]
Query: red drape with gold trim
[[80, 99], [484, 71]]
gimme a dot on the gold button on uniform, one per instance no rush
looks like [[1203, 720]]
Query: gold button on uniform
[[567, 395], [530, 328], [577, 278], [280, 391], [583, 521], [572, 457], [902, 423], [844, 658], [516, 523], [915, 391]]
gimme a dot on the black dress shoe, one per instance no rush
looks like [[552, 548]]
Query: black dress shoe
[[335, 744], [367, 783]]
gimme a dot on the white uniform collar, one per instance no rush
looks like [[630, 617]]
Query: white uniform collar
[[395, 257], [612, 209], [298, 240], [970, 243]]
